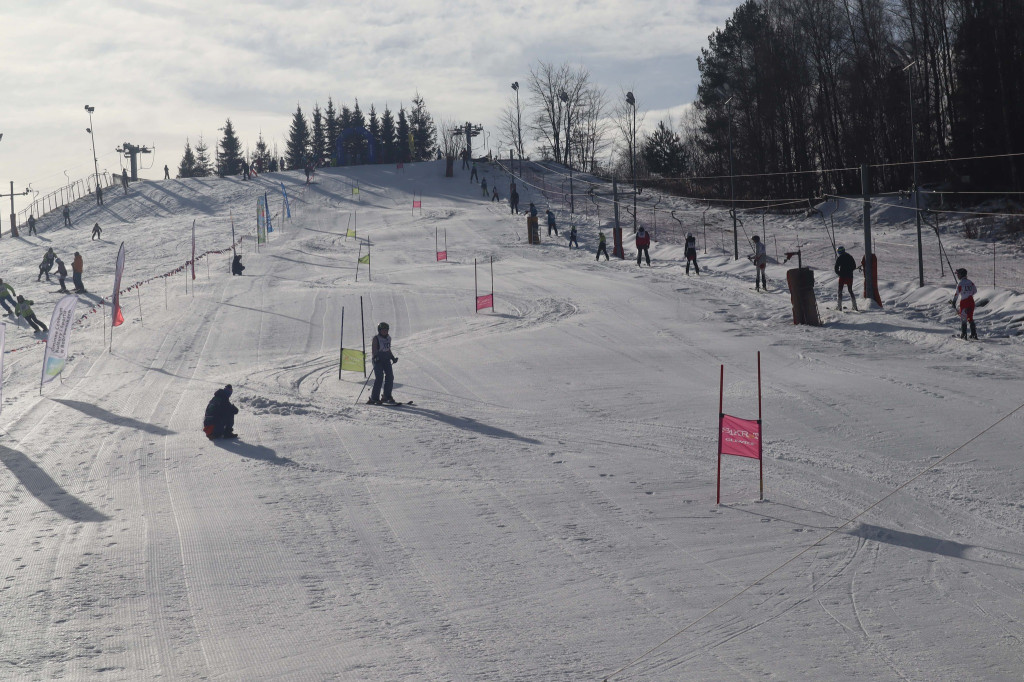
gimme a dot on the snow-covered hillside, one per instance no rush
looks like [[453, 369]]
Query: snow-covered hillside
[[546, 508]]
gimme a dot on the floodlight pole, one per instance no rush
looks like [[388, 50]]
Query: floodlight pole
[[913, 158], [95, 161]]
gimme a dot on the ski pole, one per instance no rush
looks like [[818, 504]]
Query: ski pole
[[362, 389]]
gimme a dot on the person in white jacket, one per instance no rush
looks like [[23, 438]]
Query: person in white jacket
[[965, 291]]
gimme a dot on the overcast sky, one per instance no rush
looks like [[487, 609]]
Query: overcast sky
[[161, 71]]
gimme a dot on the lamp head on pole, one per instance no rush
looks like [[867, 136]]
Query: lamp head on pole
[[630, 100], [515, 86], [564, 97], [90, 109]]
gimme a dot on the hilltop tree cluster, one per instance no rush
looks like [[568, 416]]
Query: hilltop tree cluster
[[405, 136]]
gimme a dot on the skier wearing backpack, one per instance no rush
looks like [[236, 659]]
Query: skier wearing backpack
[[382, 358], [965, 291], [845, 265]]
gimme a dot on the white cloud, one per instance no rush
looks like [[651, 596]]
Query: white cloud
[[158, 71]]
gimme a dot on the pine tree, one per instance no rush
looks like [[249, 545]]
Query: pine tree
[[203, 167], [187, 167], [387, 136], [373, 126], [298, 140], [344, 125], [357, 143], [331, 126], [664, 152], [229, 152], [403, 146], [424, 132], [318, 142], [261, 159]]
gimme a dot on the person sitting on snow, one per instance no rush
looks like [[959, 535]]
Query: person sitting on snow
[[219, 421]]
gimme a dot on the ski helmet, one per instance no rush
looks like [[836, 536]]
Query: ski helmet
[[383, 327], [756, 238], [961, 272], [841, 249]]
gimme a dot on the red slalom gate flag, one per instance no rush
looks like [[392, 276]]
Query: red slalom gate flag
[[442, 255], [485, 301], [740, 437], [417, 204]]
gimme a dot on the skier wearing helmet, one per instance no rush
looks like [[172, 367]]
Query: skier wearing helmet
[[691, 253], [965, 291], [383, 358], [845, 265]]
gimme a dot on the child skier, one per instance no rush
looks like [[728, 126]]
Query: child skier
[[572, 237], [691, 253], [643, 244], [601, 247], [965, 291], [382, 358], [219, 420], [62, 273], [845, 265], [24, 309], [760, 260]]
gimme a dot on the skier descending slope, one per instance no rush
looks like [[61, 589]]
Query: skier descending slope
[[383, 358]]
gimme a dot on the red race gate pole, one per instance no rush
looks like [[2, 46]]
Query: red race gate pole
[[721, 389], [760, 427]]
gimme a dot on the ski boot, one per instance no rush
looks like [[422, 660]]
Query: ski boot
[[974, 331], [963, 330], [389, 401], [373, 401]]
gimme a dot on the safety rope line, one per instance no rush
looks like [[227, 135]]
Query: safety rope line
[[647, 653]]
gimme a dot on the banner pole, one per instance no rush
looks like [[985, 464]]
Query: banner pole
[[435, 243], [341, 343], [362, 332], [359, 256], [492, 284], [165, 293], [721, 390], [138, 290], [476, 290], [760, 427], [369, 263]]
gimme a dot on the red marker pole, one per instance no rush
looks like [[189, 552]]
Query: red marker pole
[[721, 389], [760, 427]]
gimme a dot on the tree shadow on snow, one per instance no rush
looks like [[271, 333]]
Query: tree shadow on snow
[[466, 424], [250, 451], [925, 543], [46, 490], [99, 413]]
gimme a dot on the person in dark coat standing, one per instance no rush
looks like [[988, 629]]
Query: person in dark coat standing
[[236, 264], [167, 172], [383, 358], [551, 223], [124, 179], [31, 224], [845, 265], [62, 273], [219, 420], [67, 216], [97, 231]]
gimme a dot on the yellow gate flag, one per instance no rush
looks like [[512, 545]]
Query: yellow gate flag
[[353, 360], [350, 233], [365, 259]]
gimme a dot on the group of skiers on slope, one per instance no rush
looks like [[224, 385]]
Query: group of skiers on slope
[[20, 307]]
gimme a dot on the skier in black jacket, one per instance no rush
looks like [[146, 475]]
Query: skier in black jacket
[[383, 358], [219, 421], [845, 265]]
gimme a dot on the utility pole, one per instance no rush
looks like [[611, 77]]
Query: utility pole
[[469, 131], [632, 153], [732, 191], [95, 161], [14, 217], [519, 128], [568, 155], [913, 158]]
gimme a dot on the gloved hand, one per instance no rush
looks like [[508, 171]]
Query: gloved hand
[[394, 361]]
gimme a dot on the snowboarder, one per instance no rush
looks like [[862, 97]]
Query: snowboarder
[[96, 231], [62, 273], [691, 253], [551, 223], [236, 264], [845, 265], [472, 174], [7, 295], [67, 216], [760, 260], [31, 224], [965, 291], [77, 266], [167, 172], [383, 358], [124, 179], [24, 309], [483, 186], [643, 244], [219, 420], [572, 237], [601, 247]]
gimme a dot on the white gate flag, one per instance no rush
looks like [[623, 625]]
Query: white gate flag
[[58, 340]]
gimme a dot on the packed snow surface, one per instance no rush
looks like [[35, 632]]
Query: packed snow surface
[[546, 509]]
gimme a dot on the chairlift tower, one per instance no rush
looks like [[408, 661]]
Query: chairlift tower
[[132, 153], [469, 131]]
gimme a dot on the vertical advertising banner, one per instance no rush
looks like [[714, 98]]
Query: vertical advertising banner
[[261, 220], [193, 250], [58, 341], [287, 206], [116, 318]]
